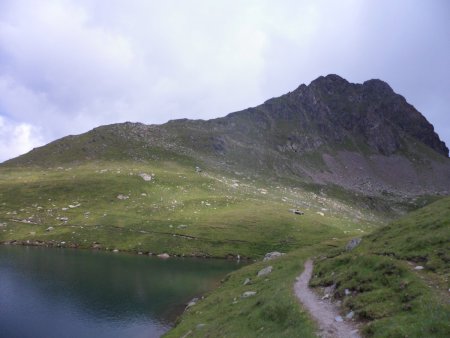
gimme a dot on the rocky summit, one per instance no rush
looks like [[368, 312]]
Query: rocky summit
[[361, 137]]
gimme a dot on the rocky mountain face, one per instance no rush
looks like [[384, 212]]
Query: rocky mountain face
[[362, 137]]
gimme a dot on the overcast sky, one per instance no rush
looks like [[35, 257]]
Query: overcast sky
[[67, 66]]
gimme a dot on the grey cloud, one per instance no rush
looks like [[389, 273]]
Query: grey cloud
[[67, 66]]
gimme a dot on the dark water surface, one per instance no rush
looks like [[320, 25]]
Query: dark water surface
[[79, 293]]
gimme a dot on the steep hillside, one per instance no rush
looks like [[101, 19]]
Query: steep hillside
[[361, 137], [397, 279]]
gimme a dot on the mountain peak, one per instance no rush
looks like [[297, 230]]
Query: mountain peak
[[379, 86], [330, 79]]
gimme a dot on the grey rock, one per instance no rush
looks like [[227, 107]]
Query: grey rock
[[419, 267], [146, 177], [164, 256], [272, 255], [350, 315], [191, 303], [265, 271], [353, 243], [347, 292], [338, 319], [330, 289], [50, 229], [247, 281], [247, 294]]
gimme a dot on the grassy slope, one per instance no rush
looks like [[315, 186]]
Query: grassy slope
[[386, 291], [272, 312], [179, 212]]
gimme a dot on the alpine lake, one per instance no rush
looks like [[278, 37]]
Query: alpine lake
[[55, 292]]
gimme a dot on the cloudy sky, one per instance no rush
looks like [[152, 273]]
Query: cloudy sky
[[67, 66]]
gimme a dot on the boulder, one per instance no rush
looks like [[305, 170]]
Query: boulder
[[191, 303], [50, 229], [247, 281], [164, 255], [338, 319], [146, 177], [247, 294], [272, 255], [353, 243], [265, 271]]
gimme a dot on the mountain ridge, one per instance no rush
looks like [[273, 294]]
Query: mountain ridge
[[328, 132]]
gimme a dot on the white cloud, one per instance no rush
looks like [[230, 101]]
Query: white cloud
[[17, 138]]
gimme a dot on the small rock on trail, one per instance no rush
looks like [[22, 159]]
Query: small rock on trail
[[326, 315]]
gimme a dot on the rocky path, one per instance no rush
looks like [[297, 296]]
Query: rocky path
[[323, 312]]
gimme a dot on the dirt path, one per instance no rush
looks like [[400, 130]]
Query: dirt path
[[323, 312]]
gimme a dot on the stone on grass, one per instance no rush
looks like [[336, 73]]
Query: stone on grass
[[164, 255], [50, 229], [419, 267], [191, 303], [247, 281], [265, 271], [272, 255], [353, 243], [146, 177], [247, 294]]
